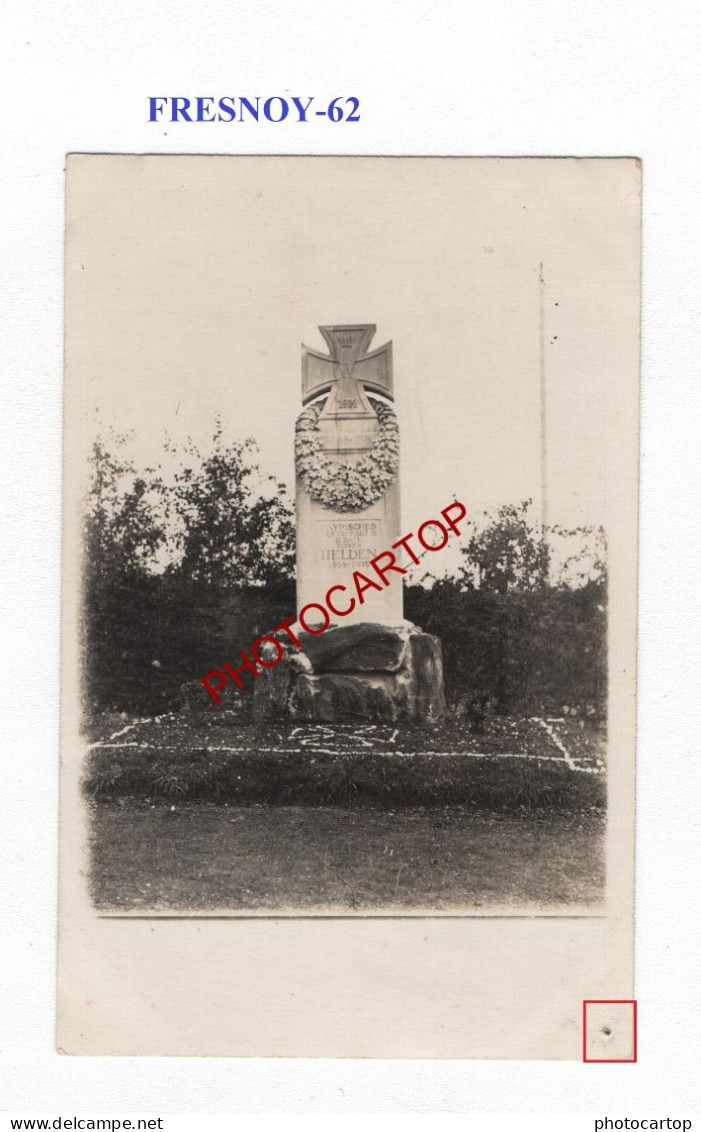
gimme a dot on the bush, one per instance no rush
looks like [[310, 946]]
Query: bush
[[145, 638], [522, 652]]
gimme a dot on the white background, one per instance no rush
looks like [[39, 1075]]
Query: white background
[[489, 78]]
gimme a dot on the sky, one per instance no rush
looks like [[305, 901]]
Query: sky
[[191, 283]]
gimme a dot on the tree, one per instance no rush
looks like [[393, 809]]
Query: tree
[[507, 554], [178, 568], [122, 527], [123, 532], [219, 520], [523, 623], [581, 554], [231, 526]]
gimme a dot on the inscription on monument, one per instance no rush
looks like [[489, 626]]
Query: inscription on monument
[[349, 544]]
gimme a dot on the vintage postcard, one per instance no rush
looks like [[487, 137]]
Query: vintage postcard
[[349, 593]]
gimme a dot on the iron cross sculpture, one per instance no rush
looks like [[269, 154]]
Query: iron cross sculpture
[[348, 372]]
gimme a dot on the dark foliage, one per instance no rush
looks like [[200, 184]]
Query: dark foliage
[[180, 576], [518, 651], [519, 633], [147, 638]]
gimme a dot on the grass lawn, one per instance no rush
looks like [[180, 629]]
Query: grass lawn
[[515, 762], [211, 856], [218, 814]]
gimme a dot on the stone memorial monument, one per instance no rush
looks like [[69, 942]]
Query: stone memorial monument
[[370, 663], [347, 464]]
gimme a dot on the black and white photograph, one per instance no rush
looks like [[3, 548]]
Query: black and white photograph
[[352, 452]]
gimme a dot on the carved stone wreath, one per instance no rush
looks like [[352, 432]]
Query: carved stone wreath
[[346, 487]]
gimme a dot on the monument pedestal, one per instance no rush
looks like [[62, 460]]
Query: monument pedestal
[[356, 673]]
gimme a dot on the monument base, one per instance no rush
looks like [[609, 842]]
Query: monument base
[[356, 673]]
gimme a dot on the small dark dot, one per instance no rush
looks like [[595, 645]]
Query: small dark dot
[[606, 1030]]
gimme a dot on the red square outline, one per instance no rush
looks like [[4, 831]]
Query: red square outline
[[610, 1060]]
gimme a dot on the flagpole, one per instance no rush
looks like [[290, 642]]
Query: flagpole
[[544, 519]]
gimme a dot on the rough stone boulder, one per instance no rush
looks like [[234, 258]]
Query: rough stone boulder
[[345, 697], [358, 648], [274, 686], [354, 674], [423, 683]]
